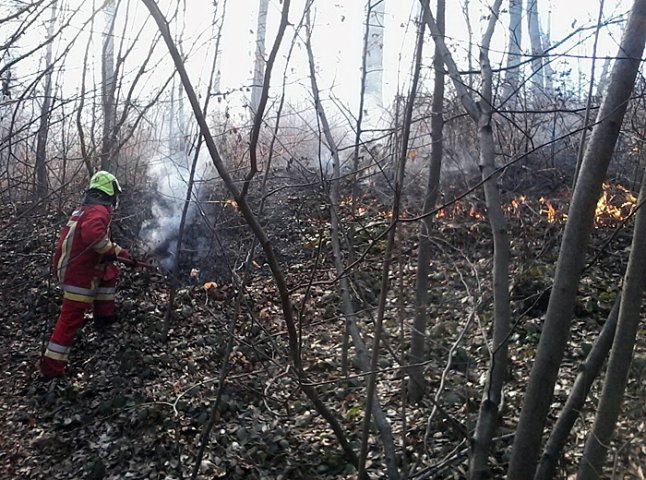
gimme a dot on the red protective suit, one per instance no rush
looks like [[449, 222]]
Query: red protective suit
[[87, 276]]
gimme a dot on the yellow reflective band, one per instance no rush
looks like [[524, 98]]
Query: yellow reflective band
[[66, 249], [78, 297], [55, 355], [103, 245]]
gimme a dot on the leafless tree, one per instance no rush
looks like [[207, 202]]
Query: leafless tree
[[108, 84], [623, 346], [344, 288], [252, 220], [417, 381], [481, 113], [43, 129], [514, 44], [259, 62], [556, 329]]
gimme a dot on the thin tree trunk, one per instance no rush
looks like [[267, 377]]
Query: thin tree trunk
[[189, 186], [380, 418], [589, 371], [556, 328], [259, 63], [79, 125], [388, 254], [417, 382], [108, 85], [264, 95], [467, 20], [481, 113], [534, 28], [623, 345], [588, 107], [259, 232], [492, 397], [374, 63], [514, 42], [45, 111], [345, 343]]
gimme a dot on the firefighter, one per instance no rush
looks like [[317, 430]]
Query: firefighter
[[84, 265]]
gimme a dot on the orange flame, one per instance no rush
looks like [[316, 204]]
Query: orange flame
[[361, 211], [548, 209], [230, 202], [613, 208], [476, 214]]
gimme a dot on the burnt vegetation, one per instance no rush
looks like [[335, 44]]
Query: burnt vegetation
[[136, 404], [325, 293]]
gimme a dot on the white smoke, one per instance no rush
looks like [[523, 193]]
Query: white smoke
[[171, 173]]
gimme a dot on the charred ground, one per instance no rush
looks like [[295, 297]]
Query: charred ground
[[134, 404]]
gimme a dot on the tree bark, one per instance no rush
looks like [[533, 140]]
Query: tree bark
[[489, 413], [588, 107], [381, 420], [614, 386], [259, 63], [108, 86], [482, 113], [374, 64], [534, 29], [572, 409], [514, 43], [259, 232], [556, 329], [388, 253], [42, 186], [265, 80], [417, 382]]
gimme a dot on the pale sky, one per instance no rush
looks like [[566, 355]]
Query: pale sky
[[337, 41]]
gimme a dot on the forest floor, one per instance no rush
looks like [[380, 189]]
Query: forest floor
[[134, 404]]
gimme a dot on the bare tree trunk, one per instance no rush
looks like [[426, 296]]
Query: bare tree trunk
[[259, 232], [108, 85], [264, 95], [43, 129], [345, 343], [534, 28], [492, 397], [556, 329], [374, 64], [572, 409], [79, 125], [467, 20], [417, 382], [542, 72], [603, 79], [381, 420], [388, 254], [588, 107], [614, 386], [481, 113], [259, 64], [514, 42], [548, 76]]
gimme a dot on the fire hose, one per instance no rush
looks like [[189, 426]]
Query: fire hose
[[136, 263]]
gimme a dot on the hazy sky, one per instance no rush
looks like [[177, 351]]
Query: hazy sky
[[339, 30], [337, 41]]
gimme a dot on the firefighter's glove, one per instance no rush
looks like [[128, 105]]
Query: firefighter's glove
[[126, 258]]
